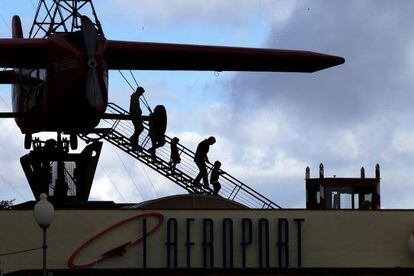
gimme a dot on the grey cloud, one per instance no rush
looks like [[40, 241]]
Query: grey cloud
[[214, 12], [373, 39], [346, 116]]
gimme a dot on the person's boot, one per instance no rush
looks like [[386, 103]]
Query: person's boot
[[134, 144], [152, 153]]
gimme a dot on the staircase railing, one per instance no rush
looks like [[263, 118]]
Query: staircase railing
[[117, 132]]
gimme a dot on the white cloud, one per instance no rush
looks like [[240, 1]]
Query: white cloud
[[346, 145], [213, 12], [403, 141]]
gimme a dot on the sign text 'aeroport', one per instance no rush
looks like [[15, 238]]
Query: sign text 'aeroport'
[[203, 242]]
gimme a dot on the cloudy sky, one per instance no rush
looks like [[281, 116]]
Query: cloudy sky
[[269, 126]]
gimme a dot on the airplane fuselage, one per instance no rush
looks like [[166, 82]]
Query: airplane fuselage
[[55, 98]]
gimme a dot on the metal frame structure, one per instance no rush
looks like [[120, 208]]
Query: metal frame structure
[[54, 16]]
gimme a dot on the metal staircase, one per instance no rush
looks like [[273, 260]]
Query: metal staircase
[[117, 132]]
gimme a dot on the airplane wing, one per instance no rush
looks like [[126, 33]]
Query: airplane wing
[[23, 53], [157, 56], [32, 53]]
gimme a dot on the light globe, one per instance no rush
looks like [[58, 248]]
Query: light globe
[[43, 211]]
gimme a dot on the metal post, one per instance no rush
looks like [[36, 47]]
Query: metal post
[[44, 246]]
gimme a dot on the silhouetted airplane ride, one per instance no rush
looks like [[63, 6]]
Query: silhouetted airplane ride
[[69, 91]]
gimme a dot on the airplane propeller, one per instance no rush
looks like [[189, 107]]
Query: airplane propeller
[[93, 88]]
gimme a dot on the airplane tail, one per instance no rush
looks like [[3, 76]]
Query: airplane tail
[[10, 76], [17, 30]]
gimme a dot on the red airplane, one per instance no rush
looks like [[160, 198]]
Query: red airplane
[[66, 89]]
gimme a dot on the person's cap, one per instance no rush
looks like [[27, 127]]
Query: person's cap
[[140, 89]]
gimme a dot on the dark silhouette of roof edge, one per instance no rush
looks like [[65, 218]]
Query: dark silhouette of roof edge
[[174, 202], [188, 201]]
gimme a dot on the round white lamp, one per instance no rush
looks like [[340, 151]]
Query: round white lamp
[[44, 213]]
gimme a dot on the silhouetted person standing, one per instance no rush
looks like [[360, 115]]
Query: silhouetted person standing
[[175, 155], [201, 158], [214, 177], [136, 113], [156, 135]]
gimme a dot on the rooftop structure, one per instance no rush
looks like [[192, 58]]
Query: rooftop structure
[[342, 193]]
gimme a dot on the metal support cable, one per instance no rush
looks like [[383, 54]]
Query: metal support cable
[[5, 103], [149, 179], [5, 22], [126, 80], [33, 4], [133, 77], [110, 181], [12, 187], [144, 101], [20, 251], [129, 174], [142, 98]]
